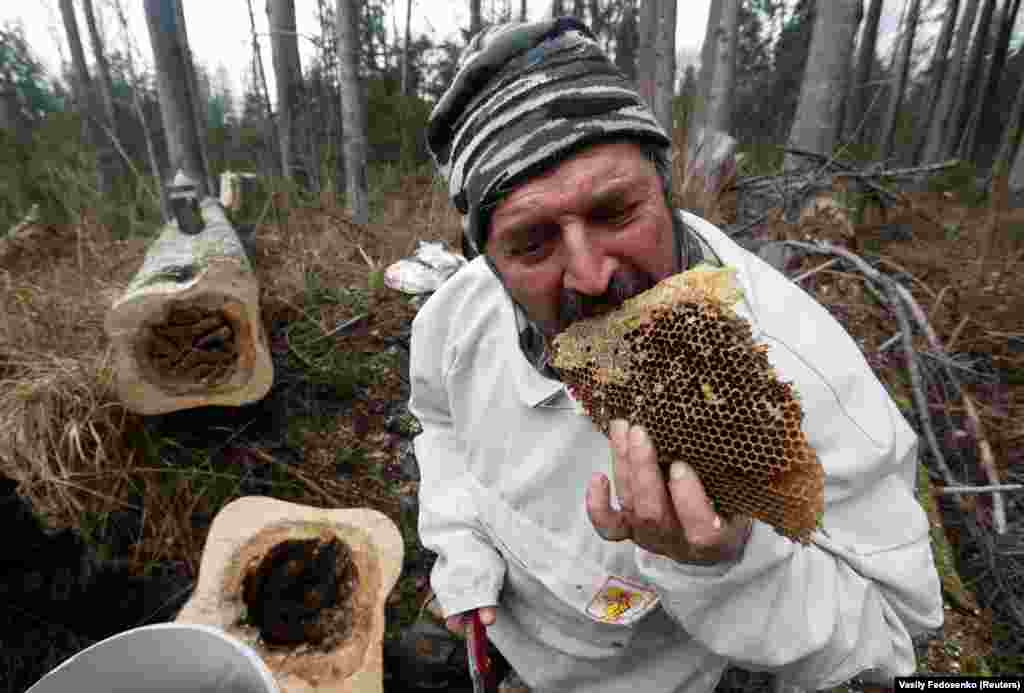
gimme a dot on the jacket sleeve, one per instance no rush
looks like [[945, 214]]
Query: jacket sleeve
[[846, 605], [469, 572]]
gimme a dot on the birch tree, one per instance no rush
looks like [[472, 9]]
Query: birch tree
[[656, 71], [353, 112], [946, 107], [857, 104], [825, 77], [175, 93], [405, 48], [284, 46], [88, 103], [902, 72]]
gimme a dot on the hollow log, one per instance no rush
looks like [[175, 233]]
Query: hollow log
[[342, 651], [187, 330]]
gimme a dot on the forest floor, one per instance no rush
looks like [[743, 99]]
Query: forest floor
[[140, 492]]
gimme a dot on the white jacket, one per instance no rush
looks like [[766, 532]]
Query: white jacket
[[505, 457]]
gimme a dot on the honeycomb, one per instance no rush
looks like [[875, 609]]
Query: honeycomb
[[677, 360]]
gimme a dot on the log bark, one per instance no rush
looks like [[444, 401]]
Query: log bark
[[815, 126], [187, 329]]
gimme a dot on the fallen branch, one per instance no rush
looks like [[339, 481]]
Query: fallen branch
[[920, 400], [904, 172], [949, 490], [901, 300]]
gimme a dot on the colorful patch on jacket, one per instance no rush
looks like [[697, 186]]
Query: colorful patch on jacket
[[621, 602]]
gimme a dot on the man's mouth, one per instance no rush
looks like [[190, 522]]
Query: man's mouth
[[624, 284]]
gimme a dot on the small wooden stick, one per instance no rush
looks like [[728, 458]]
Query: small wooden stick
[[899, 268], [938, 303], [809, 273], [988, 465], [956, 333]]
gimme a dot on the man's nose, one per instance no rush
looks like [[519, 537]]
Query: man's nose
[[589, 268]]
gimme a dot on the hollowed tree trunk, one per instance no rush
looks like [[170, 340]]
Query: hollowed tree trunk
[[187, 329]]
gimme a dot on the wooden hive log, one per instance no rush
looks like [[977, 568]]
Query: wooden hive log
[[187, 330]]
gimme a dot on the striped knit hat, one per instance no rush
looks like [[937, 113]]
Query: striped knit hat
[[525, 97]]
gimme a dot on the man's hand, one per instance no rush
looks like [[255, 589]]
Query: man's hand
[[675, 520], [457, 623]]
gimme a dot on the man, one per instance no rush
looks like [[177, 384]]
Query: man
[[561, 173]]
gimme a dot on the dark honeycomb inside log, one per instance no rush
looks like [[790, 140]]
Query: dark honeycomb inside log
[[193, 345], [677, 360]]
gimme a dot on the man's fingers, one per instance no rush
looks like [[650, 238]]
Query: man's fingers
[[609, 523], [618, 434], [703, 527], [647, 483]]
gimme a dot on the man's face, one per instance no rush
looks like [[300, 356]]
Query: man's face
[[584, 237]]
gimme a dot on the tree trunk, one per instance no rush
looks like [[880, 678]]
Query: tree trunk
[[657, 66], [522, 11], [172, 83], [405, 50], [902, 72], [972, 79], [986, 117], [260, 77], [147, 132], [1017, 172], [90, 109], [284, 45], [578, 11], [719, 105], [353, 113], [947, 105], [857, 104], [825, 77], [707, 70], [940, 63], [476, 21], [198, 105], [1011, 135], [626, 40], [102, 66], [187, 329], [557, 8]]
